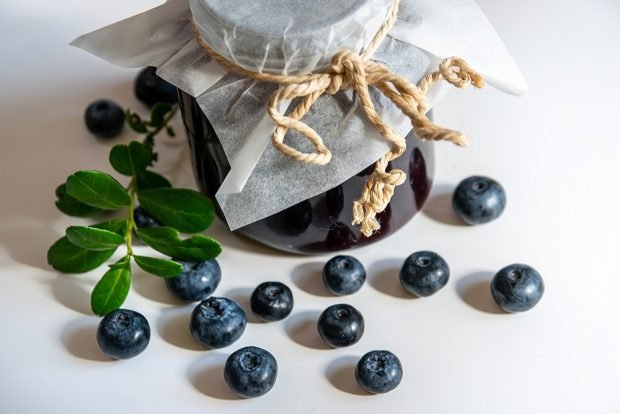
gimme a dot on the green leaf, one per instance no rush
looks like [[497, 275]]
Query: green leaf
[[97, 189], [135, 122], [159, 267], [66, 257], [91, 238], [149, 179], [166, 240], [111, 291], [186, 210], [70, 206], [117, 226], [158, 114], [130, 159], [120, 159], [119, 265]]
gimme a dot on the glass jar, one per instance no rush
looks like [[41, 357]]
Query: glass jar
[[322, 223]]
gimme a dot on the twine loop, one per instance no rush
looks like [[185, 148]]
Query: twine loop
[[459, 73], [352, 70]]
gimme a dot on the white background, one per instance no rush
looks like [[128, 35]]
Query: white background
[[555, 150]]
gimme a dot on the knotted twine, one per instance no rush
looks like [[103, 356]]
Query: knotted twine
[[352, 70]]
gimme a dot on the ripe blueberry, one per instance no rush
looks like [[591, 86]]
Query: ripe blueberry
[[217, 322], [143, 219], [104, 118], [334, 199], [292, 221], [123, 334], [478, 200], [272, 301], [378, 372], [197, 281], [340, 237], [341, 325], [517, 288], [250, 372], [150, 88], [424, 273], [343, 275]]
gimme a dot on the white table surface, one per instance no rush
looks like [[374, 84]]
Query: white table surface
[[555, 150]]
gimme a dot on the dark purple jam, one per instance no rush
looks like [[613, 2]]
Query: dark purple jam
[[322, 223]]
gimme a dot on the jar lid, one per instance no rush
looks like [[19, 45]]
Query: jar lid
[[287, 37]]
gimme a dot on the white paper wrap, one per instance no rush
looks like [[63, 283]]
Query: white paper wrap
[[287, 37], [262, 181]]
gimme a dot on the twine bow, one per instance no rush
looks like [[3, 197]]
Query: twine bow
[[351, 70]]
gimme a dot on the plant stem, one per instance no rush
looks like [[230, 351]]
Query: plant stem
[[149, 139], [131, 224]]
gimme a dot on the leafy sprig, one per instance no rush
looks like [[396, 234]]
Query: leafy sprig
[[89, 193], [161, 114]]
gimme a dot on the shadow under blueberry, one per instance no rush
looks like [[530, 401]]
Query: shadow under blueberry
[[67, 291], [173, 327], [302, 329], [242, 297], [153, 288], [384, 276], [438, 207], [309, 278], [341, 374], [207, 376], [475, 290], [79, 338]]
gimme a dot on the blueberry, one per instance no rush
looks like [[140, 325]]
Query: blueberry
[[478, 200], [334, 199], [143, 219], [341, 325], [517, 288], [340, 237], [343, 275], [272, 301], [217, 322], [104, 118], [424, 273], [197, 281], [250, 372], [123, 334], [150, 88], [292, 221], [378, 372]]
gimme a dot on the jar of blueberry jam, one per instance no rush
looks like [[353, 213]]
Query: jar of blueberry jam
[[320, 224]]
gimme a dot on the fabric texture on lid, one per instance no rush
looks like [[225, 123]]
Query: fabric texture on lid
[[287, 37]]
